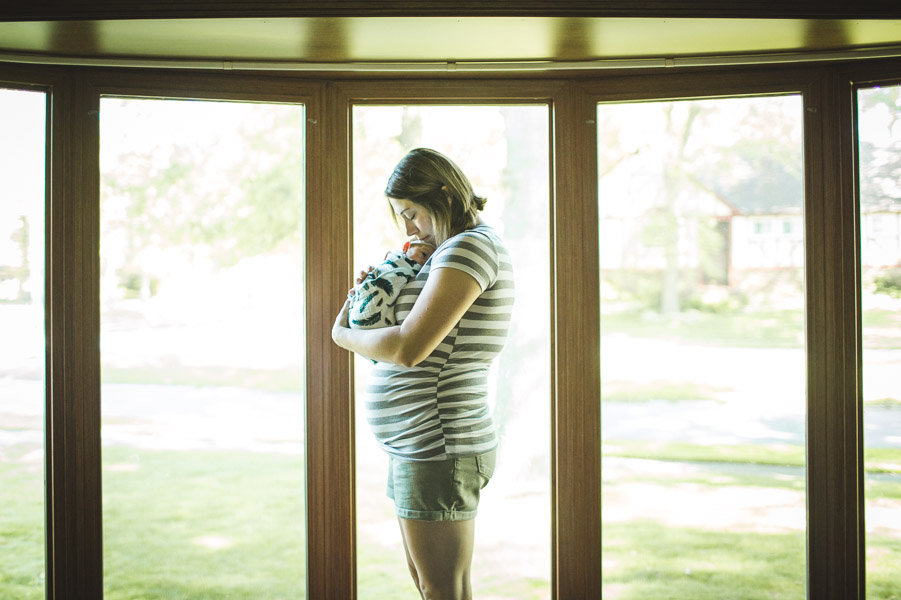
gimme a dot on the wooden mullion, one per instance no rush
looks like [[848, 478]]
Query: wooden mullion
[[834, 466], [331, 564], [74, 538], [576, 489]]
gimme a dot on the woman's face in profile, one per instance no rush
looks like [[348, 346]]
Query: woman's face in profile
[[417, 220]]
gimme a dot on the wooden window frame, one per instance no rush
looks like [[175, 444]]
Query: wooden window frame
[[835, 567], [834, 468]]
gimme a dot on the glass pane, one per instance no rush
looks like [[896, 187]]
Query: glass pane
[[202, 349], [702, 349], [504, 151], [22, 121], [880, 245]]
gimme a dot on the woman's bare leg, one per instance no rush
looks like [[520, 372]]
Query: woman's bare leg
[[410, 564], [440, 556]]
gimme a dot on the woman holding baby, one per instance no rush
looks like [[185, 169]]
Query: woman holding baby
[[426, 399]]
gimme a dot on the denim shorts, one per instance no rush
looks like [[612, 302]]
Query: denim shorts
[[446, 490]]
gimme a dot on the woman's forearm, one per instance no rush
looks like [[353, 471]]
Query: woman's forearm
[[376, 344]]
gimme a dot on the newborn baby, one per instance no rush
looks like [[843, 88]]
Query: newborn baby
[[372, 300]]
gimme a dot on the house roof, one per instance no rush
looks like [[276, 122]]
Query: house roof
[[772, 189]]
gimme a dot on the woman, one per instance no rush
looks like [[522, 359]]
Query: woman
[[427, 396]]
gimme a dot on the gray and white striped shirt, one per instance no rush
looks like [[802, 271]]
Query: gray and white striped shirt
[[439, 408]]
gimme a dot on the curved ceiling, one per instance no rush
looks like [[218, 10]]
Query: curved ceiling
[[427, 39]]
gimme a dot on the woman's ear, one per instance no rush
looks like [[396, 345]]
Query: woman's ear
[[444, 189]]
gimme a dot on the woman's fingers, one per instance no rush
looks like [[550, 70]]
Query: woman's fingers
[[364, 273]]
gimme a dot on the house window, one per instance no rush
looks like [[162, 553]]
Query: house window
[[202, 331], [762, 227], [22, 350], [703, 460]]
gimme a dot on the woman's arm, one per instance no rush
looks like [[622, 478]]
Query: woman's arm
[[447, 295]]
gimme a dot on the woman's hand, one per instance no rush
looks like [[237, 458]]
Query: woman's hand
[[364, 273]]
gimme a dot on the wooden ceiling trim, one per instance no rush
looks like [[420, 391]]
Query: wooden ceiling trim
[[163, 9]]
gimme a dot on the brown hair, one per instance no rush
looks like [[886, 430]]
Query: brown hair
[[428, 178]]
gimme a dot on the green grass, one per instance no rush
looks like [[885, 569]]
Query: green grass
[[882, 319], [764, 329], [876, 460], [272, 380], [758, 454], [165, 513], [771, 329], [883, 561], [645, 560], [202, 525], [21, 525], [883, 403], [882, 460], [670, 391]]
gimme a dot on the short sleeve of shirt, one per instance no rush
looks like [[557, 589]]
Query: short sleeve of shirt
[[471, 252]]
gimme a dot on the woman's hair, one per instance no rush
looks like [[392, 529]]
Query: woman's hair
[[420, 176]]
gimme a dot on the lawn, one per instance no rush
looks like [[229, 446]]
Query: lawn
[[763, 329], [211, 525], [649, 560], [753, 329], [202, 525]]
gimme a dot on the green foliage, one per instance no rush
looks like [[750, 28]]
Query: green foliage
[[647, 286], [889, 283], [730, 303], [880, 161], [194, 200]]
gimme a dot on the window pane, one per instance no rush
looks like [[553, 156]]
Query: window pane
[[202, 349], [880, 244], [504, 151], [702, 348], [22, 119]]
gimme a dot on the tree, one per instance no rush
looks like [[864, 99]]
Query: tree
[[213, 198], [680, 169]]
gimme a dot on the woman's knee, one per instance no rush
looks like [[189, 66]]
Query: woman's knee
[[443, 587]]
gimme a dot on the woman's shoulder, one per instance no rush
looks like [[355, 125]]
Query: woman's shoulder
[[481, 234], [478, 251]]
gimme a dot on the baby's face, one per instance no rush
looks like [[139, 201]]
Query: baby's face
[[419, 252]]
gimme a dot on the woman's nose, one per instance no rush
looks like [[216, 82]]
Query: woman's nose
[[410, 228]]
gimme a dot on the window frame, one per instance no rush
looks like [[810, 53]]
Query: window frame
[[835, 548], [834, 465], [575, 542], [873, 73]]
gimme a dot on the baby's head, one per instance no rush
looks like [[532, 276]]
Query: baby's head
[[418, 252]]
